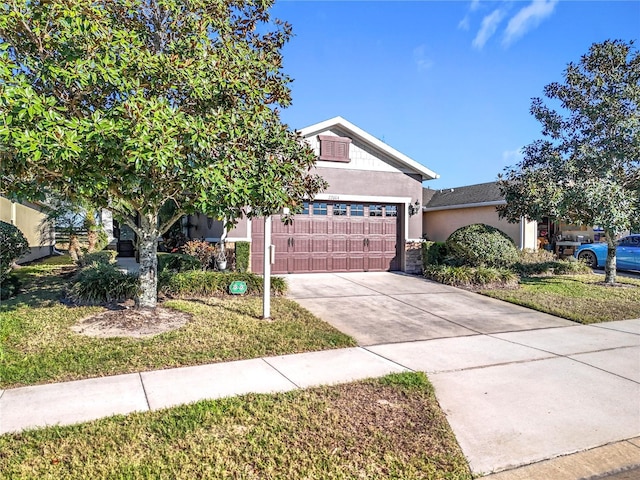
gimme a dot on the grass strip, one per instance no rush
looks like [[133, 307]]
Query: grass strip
[[38, 345], [581, 298], [385, 428]]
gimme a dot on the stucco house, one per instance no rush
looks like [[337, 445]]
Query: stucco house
[[444, 211], [30, 220], [368, 219]]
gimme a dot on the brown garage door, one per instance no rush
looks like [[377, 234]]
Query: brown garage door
[[332, 237]]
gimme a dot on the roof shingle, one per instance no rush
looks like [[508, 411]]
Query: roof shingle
[[470, 194]]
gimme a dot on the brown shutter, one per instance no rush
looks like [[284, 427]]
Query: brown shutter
[[334, 149]]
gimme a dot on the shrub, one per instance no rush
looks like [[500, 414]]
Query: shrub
[[481, 245], [203, 251], [243, 250], [177, 262], [202, 283], [472, 277], [542, 262], [433, 253], [528, 256], [13, 245], [103, 283], [103, 256], [571, 266]]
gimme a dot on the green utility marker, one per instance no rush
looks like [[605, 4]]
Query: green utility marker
[[238, 288]]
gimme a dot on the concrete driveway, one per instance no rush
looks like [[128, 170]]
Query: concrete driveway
[[383, 307], [517, 386]]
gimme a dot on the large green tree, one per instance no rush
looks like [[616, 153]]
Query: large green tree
[[130, 104], [586, 170]]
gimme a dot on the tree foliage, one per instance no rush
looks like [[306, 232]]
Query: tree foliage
[[586, 169], [131, 104]]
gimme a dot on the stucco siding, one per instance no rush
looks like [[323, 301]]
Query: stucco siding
[[438, 225], [32, 223]]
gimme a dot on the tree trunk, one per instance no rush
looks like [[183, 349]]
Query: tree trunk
[[74, 247], [147, 248], [610, 266]]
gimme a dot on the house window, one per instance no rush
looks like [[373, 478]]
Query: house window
[[305, 208], [340, 209], [391, 211], [357, 210], [334, 149], [319, 208], [375, 210]]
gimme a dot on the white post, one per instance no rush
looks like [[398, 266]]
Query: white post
[[266, 270]]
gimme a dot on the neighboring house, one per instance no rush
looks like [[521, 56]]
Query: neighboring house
[[30, 220], [444, 211], [367, 220]]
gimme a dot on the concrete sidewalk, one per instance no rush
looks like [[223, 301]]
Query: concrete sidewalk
[[523, 391], [512, 399], [83, 400]]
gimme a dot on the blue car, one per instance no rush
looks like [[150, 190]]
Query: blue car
[[627, 253]]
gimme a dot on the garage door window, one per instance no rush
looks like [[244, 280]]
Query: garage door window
[[375, 210], [391, 211], [340, 210], [319, 208], [357, 210]]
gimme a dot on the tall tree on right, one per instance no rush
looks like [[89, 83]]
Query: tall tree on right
[[586, 169]]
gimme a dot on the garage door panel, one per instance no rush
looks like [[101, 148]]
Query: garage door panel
[[302, 245], [355, 263], [338, 263], [340, 227], [320, 227], [301, 225], [390, 228], [301, 264], [377, 263], [278, 227], [375, 228], [320, 245], [339, 245], [356, 245], [356, 228], [319, 264]]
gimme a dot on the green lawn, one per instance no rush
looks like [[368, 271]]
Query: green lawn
[[581, 298], [38, 346], [388, 428]]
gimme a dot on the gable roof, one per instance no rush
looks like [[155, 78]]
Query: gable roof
[[354, 131], [480, 195]]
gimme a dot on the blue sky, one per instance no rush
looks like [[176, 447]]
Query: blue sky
[[448, 83]]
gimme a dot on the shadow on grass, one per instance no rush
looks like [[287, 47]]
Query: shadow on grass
[[38, 289]]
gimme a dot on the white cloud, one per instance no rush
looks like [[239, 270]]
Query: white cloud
[[511, 157], [466, 21], [527, 18], [488, 28], [421, 59]]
